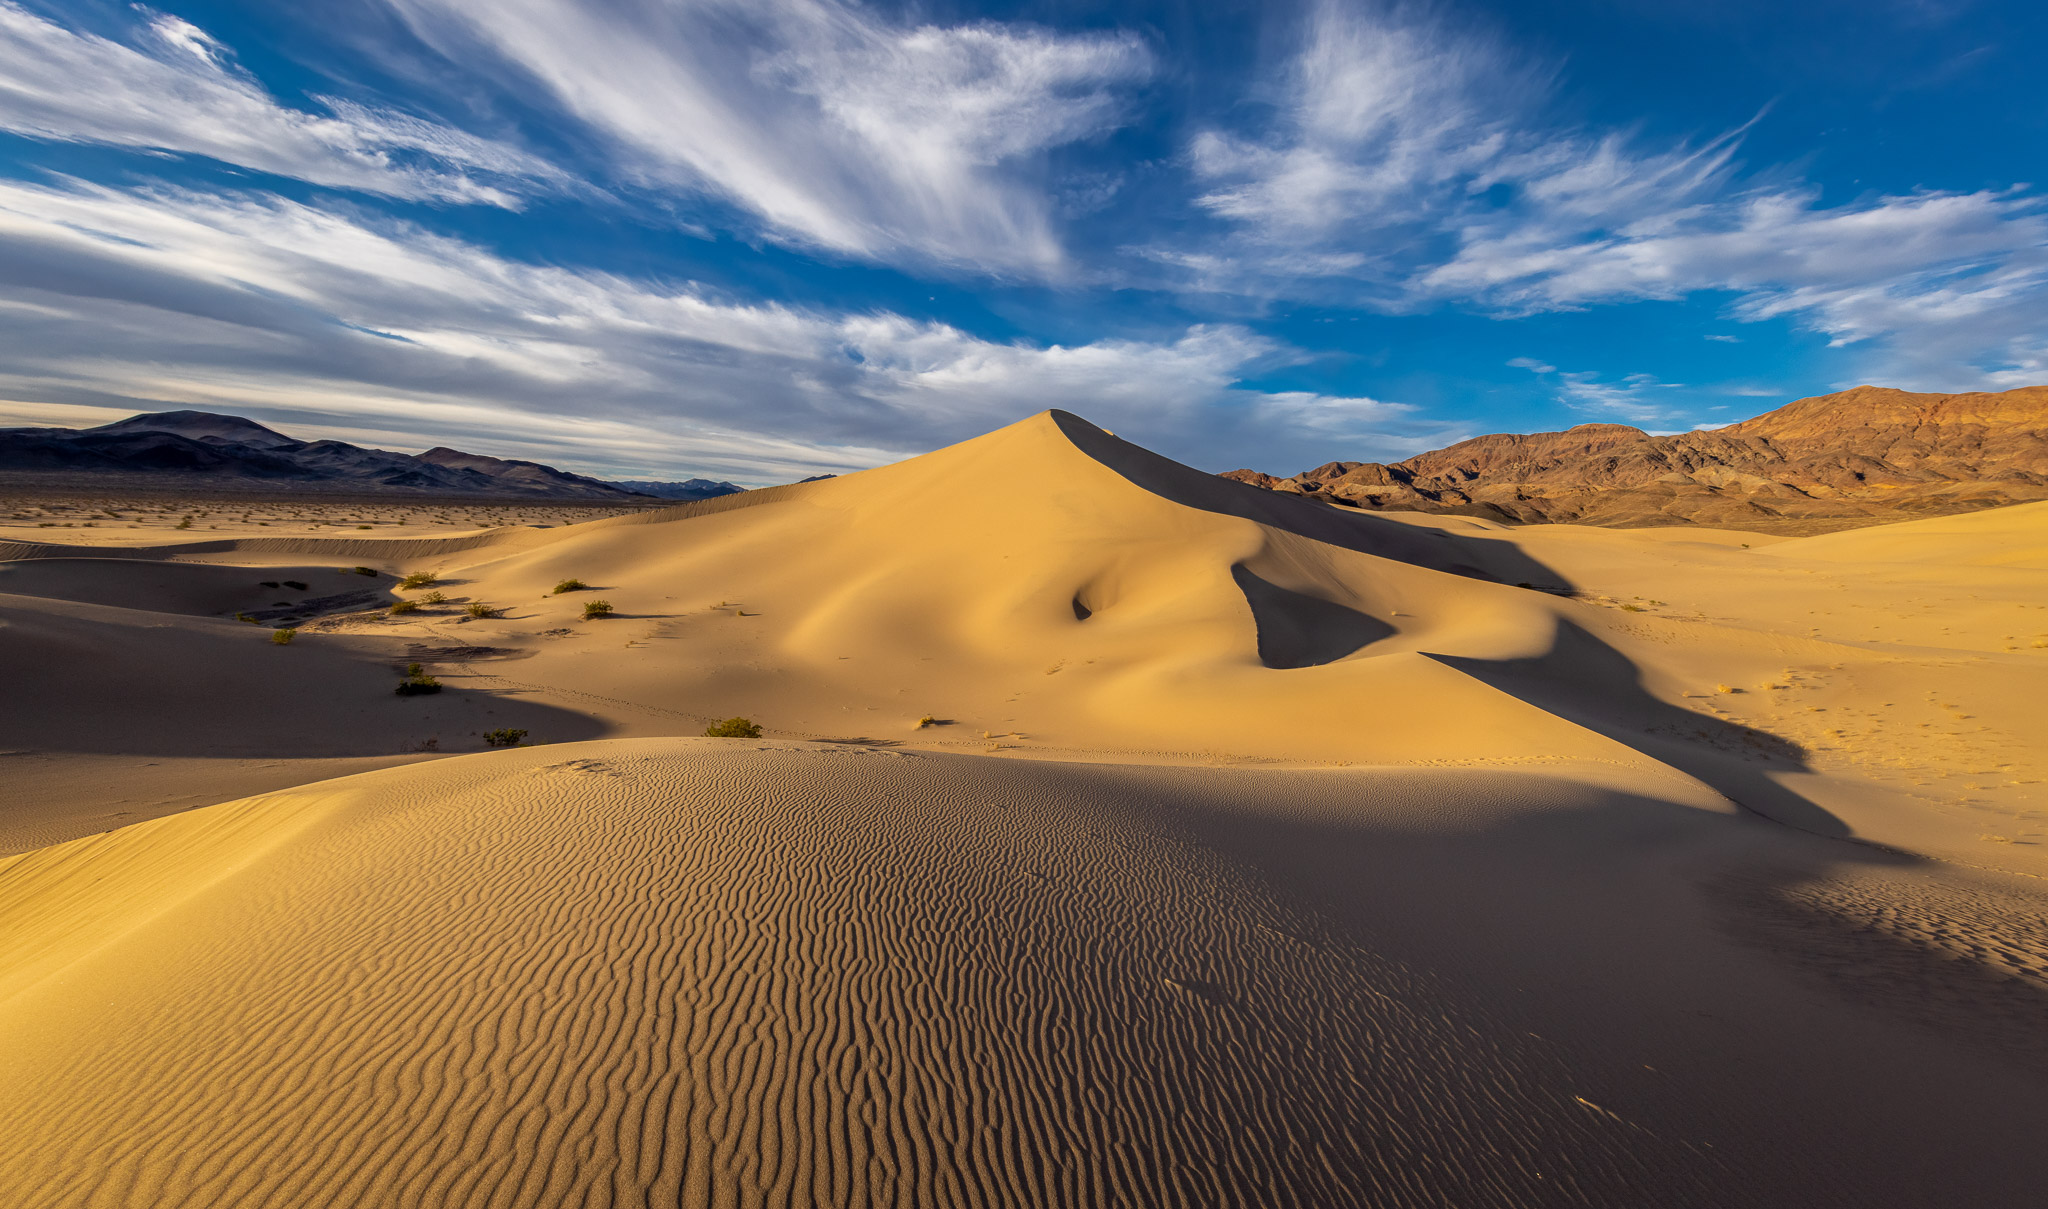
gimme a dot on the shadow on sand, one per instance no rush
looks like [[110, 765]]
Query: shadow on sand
[[1584, 680]]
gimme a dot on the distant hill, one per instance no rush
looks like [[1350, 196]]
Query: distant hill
[[1862, 456], [176, 448], [688, 489]]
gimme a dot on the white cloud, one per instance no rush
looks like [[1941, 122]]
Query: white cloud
[[1408, 165], [831, 125], [1392, 137], [251, 303], [1636, 398], [177, 89]]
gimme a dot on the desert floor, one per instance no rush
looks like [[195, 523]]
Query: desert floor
[[1119, 835]]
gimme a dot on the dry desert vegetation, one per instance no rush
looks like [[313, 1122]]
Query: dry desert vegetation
[[1116, 835]]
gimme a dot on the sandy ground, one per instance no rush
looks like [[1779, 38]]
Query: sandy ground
[[148, 518], [1121, 835]]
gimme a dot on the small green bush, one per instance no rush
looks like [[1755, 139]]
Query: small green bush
[[283, 636], [570, 585], [733, 728], [593, 610], [418, 579], [405, 606], [362, 526], [510, 736], [480, 611], [417, 682], [247, 618], [295, 585], [925, 721], [185, 524], [371, 572], [433, 598]]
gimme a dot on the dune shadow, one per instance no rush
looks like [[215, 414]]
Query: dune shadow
[[1296, 630], [153, 692], [1586, 681], [1560, 896], [1440, 550]]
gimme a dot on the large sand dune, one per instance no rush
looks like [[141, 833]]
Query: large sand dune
[[1254, 852], [681, 971]]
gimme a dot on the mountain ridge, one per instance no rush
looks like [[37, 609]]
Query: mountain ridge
[[181, 447], [1862, 456]]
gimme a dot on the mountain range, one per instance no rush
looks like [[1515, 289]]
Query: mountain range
[[176, 447], [1862, 456]]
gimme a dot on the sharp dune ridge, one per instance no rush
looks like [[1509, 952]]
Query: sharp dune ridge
[[1123, 835]]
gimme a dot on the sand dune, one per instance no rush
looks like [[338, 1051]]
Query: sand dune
[[677, 971], [1123, 835]]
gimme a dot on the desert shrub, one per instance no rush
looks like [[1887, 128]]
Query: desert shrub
[[369, 571], [365, 527], [270, 583], [433, 598], [418, 579], [247, 618], [570, 585], [417, 682], [509, 736], [295, 585], [596, 609], [480, 611], [405, 606], [733, 728], [1631, 608], [185, 524], [925, 721], [283, 635]]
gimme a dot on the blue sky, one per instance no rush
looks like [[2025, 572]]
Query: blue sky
[[760, 239]]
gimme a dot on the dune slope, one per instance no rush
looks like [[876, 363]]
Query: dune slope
[[687, 972]]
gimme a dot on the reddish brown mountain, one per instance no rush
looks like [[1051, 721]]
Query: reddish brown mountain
[[1860, 457]]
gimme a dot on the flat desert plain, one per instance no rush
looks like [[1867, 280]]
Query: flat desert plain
[[1118, 835]]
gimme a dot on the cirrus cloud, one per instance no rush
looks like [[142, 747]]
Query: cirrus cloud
[[162, 297], [832, 126], [175, 88]]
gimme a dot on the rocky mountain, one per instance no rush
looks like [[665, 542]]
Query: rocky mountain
[[188, 447], [1863, 456], [688, 489]]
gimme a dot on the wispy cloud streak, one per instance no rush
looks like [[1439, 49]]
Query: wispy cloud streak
[[174, 88], [1406, 166], [166, 297], [833, 127]]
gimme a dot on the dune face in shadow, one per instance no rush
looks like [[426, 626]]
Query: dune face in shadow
[[1297, 630], [192, 589], [1589, 682], [1497, 562], [91, 679]]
